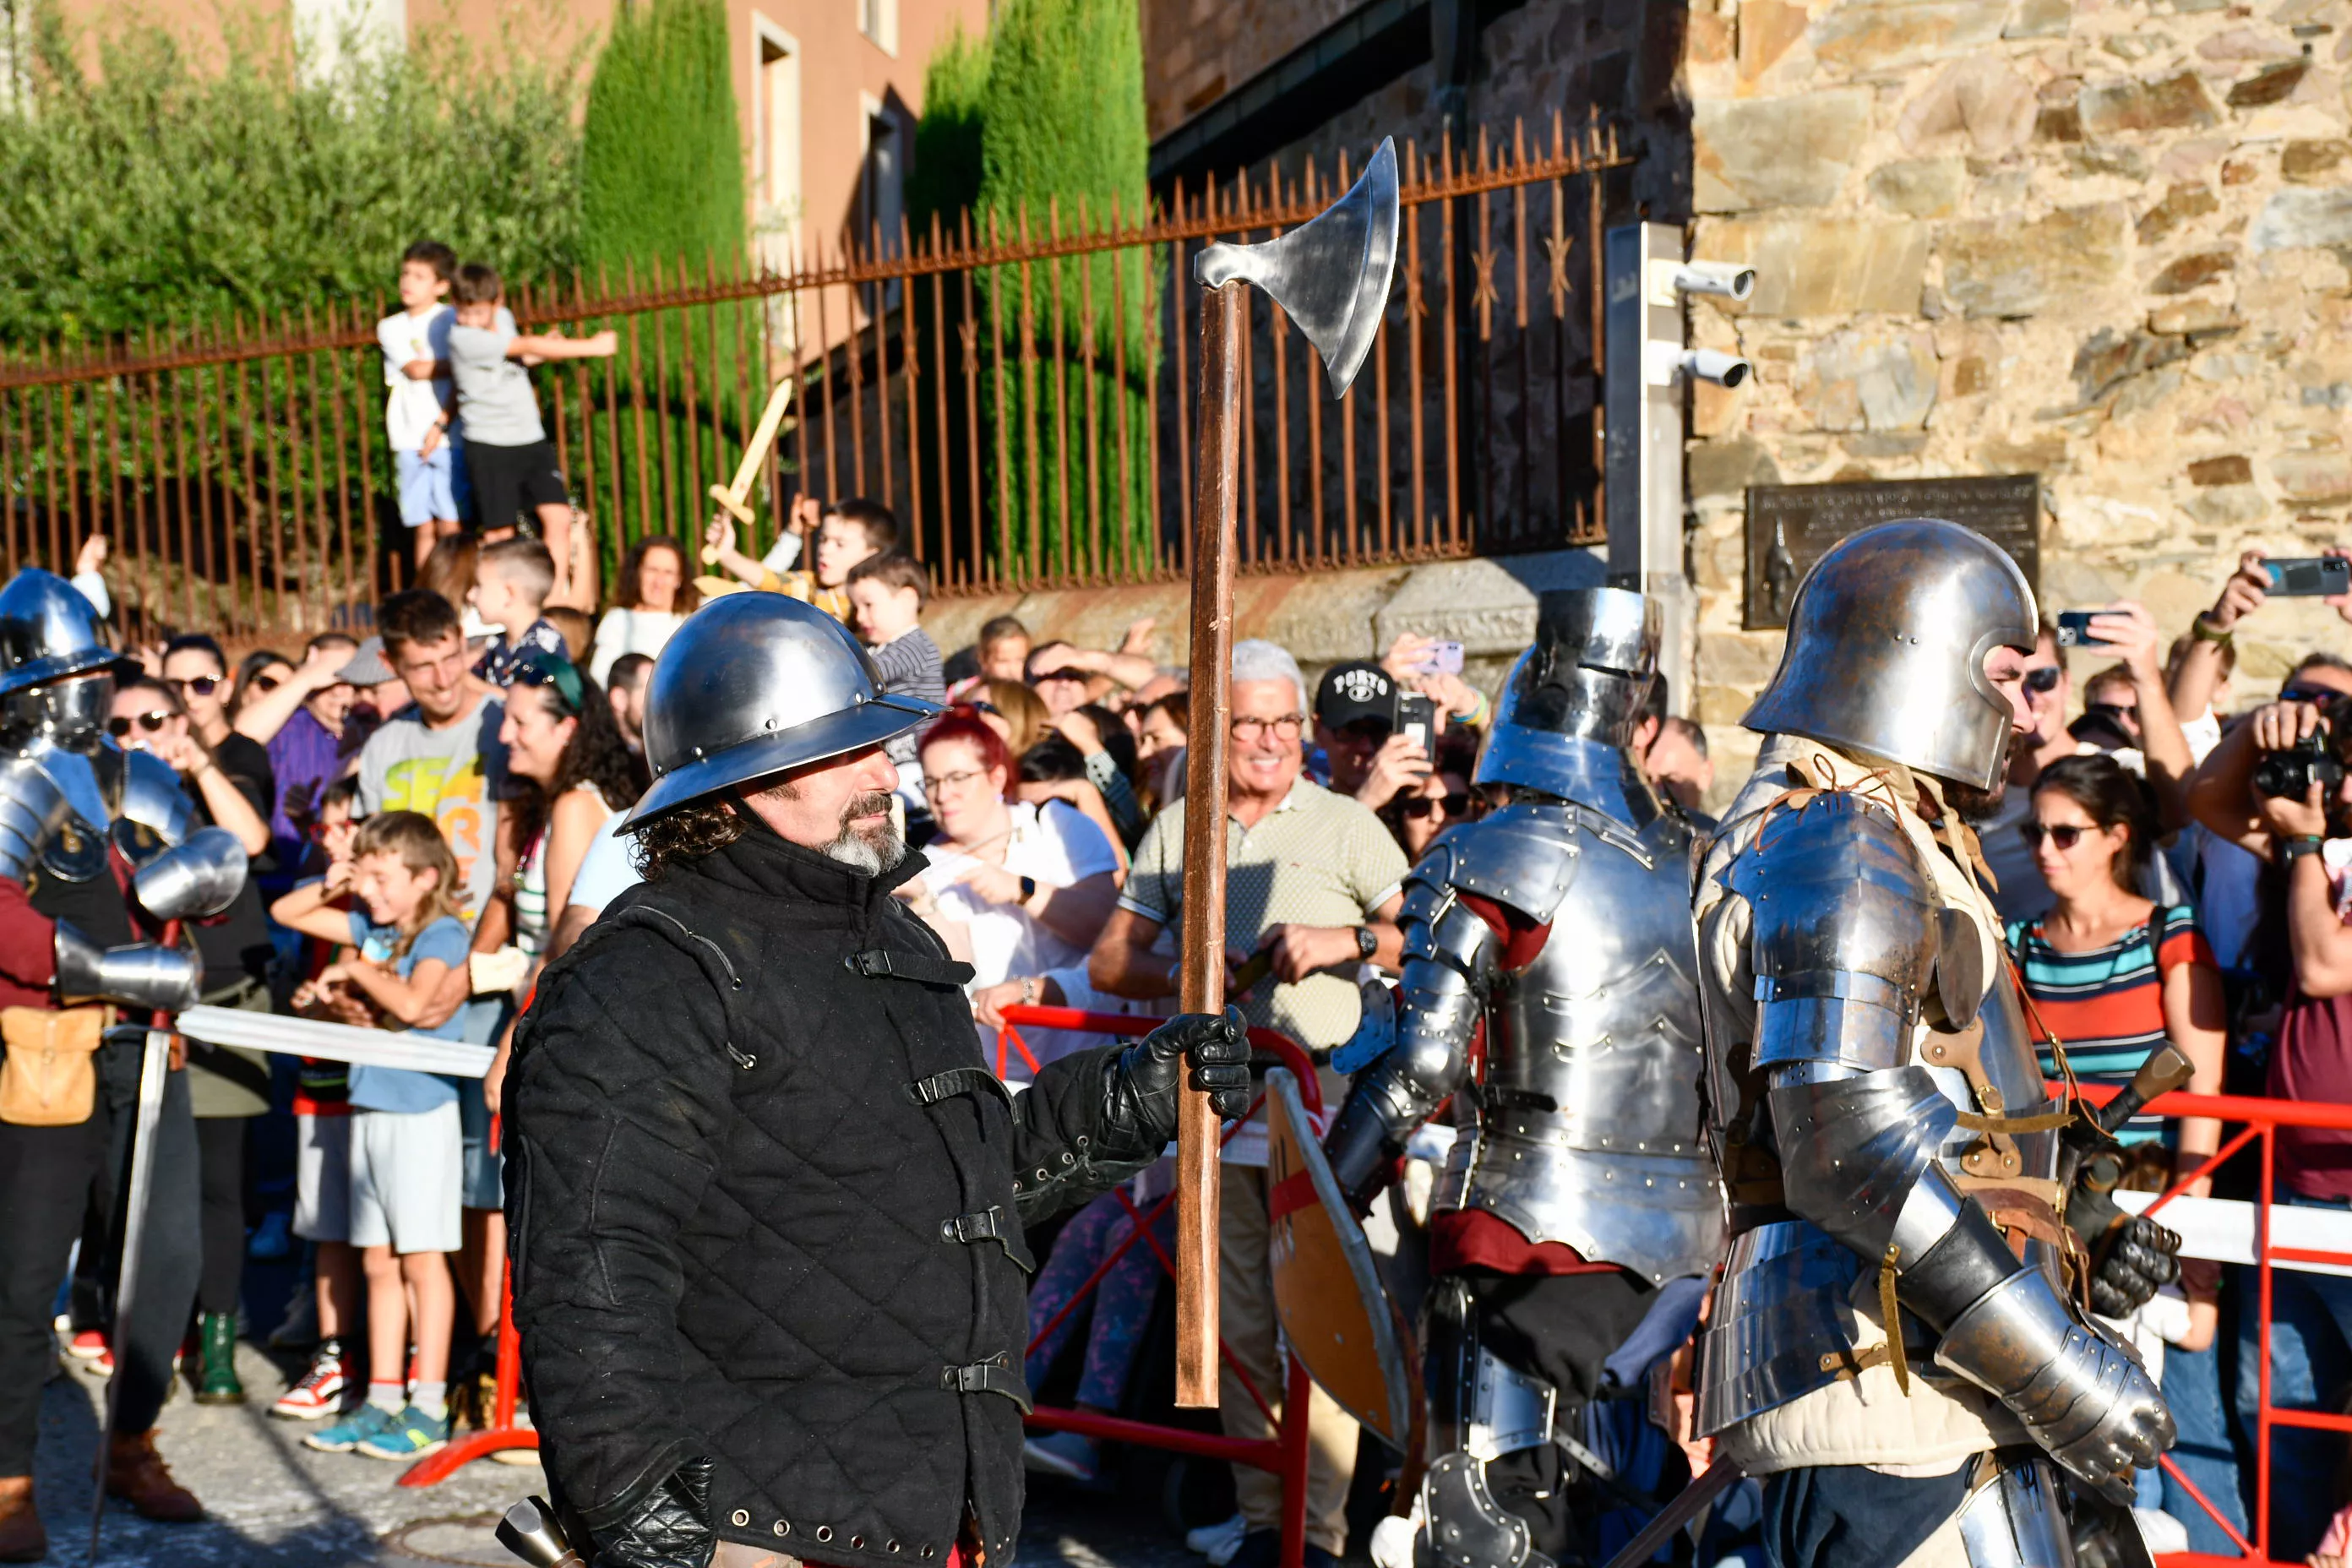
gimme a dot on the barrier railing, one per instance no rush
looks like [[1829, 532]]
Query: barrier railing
[[1284, 1454], [2261, 1121]]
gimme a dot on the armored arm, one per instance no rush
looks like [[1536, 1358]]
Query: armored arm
[[1449, 961], [194, 880], [1844, 947], [136, 974]]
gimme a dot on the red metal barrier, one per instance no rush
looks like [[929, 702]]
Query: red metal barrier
[[2262, 1119], [1286, 1453], [502, 1432]]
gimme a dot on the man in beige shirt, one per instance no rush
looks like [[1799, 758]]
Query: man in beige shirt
[[1312, 879]]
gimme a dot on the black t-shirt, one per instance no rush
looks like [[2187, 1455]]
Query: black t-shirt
[[236, 946]]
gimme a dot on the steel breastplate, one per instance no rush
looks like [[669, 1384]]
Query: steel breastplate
[[1588, 1127]]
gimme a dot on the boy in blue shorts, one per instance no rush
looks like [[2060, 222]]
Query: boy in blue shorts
[[420, 407]]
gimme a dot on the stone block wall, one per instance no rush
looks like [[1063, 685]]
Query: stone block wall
[[2103, 241]]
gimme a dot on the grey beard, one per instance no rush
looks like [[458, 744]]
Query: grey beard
[[872, 853]]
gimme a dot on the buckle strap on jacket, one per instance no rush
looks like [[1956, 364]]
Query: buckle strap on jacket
[[990, 1224], [994, 1375], [881, 963], [954, 1081]]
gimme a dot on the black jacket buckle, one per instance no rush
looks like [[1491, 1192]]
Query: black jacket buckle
[[990, 1376], [988, 1225], [881, 963], [954, 1081]]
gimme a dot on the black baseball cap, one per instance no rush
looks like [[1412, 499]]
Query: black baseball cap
[[1355, 691]]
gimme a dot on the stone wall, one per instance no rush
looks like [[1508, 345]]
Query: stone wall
[[2105, 243]]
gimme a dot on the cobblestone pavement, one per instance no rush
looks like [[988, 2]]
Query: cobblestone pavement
[[276, 1504]]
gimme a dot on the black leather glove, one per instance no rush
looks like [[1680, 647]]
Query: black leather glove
[[670, 1528], [2132, 1256], [1139, 1091]]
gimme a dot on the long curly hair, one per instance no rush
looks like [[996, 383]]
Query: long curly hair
[[628, 592], [689, 832], [597, 754]]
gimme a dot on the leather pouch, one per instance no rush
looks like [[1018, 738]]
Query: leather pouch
[[49, 1077]]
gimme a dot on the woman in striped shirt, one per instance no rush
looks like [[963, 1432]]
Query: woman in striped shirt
[[2111, 973]]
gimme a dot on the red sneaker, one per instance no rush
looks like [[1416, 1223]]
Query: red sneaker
[[320, 1392], [87, 1345]]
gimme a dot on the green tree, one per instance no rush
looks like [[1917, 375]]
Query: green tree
[[945, 179], [662, 154], [1063, 143], [662, 189], [154, 194]]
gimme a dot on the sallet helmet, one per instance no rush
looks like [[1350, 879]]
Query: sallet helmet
[[1581, 687], [755, 684], [1887, 639]]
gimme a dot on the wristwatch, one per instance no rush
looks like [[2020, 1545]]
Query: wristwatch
[[2290, 850], [2203, 630], [1028, 889], [1367, 942]]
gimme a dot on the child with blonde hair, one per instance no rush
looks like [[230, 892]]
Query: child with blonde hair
[[406, 1146]]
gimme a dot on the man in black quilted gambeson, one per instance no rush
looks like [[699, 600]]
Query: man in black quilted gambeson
[[767, 1200]]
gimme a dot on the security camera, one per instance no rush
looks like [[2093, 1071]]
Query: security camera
[[1714, 365], [1667, 359], [1729, 279]]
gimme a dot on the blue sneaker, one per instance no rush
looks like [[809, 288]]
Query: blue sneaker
[[411, 1434], [351, 1431]]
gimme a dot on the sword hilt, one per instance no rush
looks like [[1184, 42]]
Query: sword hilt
[[528, 1529]]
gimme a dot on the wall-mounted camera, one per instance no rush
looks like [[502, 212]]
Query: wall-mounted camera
[[1667, 360]]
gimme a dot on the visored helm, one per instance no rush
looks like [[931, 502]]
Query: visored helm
[[1887, 639], [755, 684], [1582, 684], [49, 634]]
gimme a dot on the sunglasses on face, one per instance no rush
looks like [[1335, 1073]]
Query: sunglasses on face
[[149, 722], [2307, 694], [2116, 711], [202, 684], [2042, 682], [1045, 675], [2066, 836], [1454, 805], [265, 683]]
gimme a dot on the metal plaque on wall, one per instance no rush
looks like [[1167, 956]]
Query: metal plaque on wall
[[1789, 527]]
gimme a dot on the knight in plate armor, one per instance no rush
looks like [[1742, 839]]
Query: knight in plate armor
[[1889, 1147], [1579, 1214], [98, 854]]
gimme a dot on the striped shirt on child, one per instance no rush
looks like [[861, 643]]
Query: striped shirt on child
[[2106, 1005]]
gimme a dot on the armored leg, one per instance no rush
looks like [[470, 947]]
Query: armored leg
[[2012, 1517], [1513, 1366]]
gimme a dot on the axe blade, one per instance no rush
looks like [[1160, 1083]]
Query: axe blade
[[1332, 274]]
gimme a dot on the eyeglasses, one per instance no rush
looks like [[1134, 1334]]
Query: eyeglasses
[[936, 786], [149, 722], [2042, 682], [2307, 694], [202, 684], [1286, 728], [1422, 805], [1057, 675], [265, 683], [2112, 711], [2066, 836], [539, 667]]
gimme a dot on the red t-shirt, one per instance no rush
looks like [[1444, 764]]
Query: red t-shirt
[[2313, 1062]]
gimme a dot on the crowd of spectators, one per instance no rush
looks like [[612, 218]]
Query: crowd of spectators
[[433, 814]]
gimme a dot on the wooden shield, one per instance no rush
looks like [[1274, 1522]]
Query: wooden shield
[[1326, 1287]]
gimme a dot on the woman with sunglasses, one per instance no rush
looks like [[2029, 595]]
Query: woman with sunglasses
[[2114, 974], [570, 772], [196, 673], [1019, 888], [227, 1087]]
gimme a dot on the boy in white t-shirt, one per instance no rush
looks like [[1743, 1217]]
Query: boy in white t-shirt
[[418, 412]]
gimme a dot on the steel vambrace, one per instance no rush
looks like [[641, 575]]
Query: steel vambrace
[[136, 974], [1397, 1093], [2083, 1397]]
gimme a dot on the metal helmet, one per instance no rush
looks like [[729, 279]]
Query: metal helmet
[[1887, 639], [48, 631], [1581, 686], [754, 684]]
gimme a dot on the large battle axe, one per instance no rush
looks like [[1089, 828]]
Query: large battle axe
[[1332, 277]]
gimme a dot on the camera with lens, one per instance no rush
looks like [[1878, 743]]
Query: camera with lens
[[2289, 773]]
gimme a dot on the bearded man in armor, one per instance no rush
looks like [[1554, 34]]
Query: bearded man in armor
[[1889, 1148], [1579, 1214], [98, 853]]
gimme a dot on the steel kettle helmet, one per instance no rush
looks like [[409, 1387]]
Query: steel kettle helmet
[[1887, 639], [755, 684]]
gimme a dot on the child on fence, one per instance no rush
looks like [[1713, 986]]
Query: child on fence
[[405, 1142], [417, 413], [853, 531], [512, 582], [508, 456]]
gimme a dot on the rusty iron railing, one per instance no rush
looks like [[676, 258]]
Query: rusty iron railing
[[1019, 391]]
